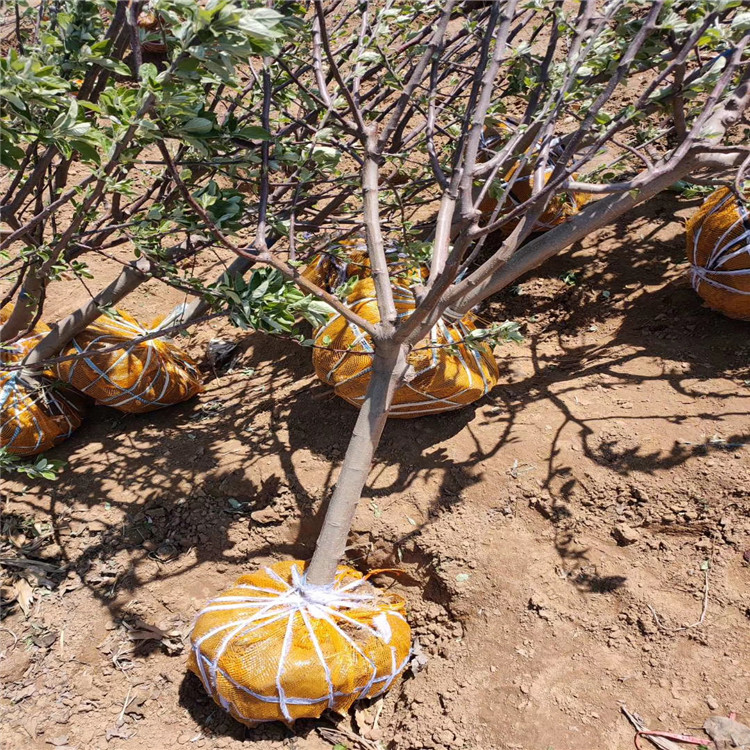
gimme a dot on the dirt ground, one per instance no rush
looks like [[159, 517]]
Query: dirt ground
[[572, 544]]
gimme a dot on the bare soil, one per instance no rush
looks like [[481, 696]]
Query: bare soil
[[572, 544]]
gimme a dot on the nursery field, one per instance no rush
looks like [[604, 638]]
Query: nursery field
[[577, 542]]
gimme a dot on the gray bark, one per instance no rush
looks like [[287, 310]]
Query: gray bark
[[389, 369], [64, 330]]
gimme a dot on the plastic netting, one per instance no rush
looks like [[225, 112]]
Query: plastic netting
[[35, 414], [718, 248], [274, 648], [348, 258], [448, 374], [139, 377], [560, 207]]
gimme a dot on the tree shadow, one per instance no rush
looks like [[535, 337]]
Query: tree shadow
[[191, 478], [663, 321]]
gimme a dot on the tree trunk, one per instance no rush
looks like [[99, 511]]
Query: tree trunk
[[389, 369], [26, 307], [64, 330]]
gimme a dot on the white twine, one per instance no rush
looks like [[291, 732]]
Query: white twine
[[725, 250], [327, 603]]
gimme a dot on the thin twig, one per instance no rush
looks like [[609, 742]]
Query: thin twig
[[696, 624]]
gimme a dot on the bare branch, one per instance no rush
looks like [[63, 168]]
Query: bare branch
[[415, 80], [374, 234], [332, 64], [261, 255]]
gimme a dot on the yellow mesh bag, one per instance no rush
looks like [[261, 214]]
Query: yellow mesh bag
[[718, 248], [331, 269], [138, 378], [274, 648], [35, 333], [560, 207], [447, 374], [34, 417], [349, 258]]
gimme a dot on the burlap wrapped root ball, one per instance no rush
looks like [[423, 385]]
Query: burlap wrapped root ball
[[560, 207], [345, 259], [136, 378], [718, 248], [274, 648], [35, 413], [447, 373]]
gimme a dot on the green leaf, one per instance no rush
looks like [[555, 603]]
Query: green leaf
[[86, 150], [199, 125], [254, 133], [10, 154], [39, 468], [148, 73], [117, 66], [370, 55]]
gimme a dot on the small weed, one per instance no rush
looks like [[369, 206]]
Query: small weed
[[36, 468]]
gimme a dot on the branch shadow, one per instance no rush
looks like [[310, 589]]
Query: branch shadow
[[267, 439]]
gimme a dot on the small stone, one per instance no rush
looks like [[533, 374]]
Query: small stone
[[266, 515], [625, 534], [525, 689], [540, 604], [712, 703], [445, 737]]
